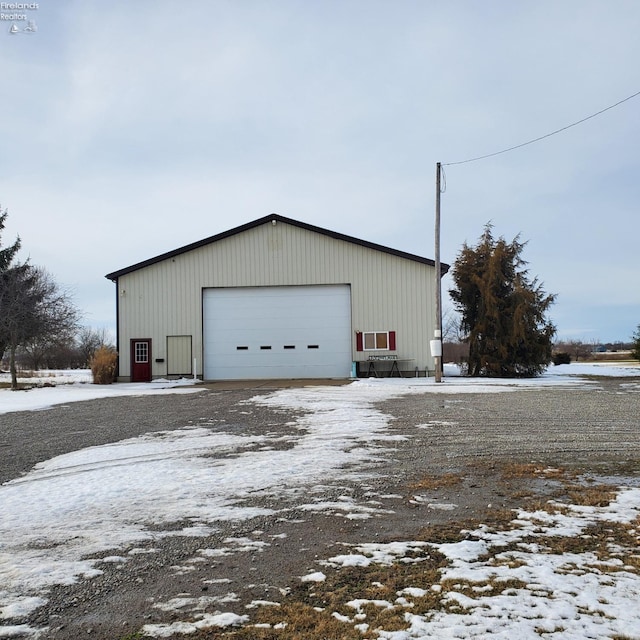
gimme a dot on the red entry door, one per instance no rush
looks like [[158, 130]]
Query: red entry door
[[141, 360]]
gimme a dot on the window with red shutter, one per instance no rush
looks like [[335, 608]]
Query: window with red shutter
[[376, 341]]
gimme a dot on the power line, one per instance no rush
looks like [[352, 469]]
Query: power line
[[548, 135]]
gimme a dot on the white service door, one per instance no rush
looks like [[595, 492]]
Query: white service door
[[277, 332]]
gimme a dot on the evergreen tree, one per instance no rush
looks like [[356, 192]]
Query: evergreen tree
[[6, 258], [635, 349], [503, 312], [6, 255]]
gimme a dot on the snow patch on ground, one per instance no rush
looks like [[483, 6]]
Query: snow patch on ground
[[75, 386], [99, 500]]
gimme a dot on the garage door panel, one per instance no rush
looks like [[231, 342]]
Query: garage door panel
[[307, 328]]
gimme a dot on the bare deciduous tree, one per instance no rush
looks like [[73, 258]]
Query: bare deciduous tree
[[89, 340], [33, 308], [451, 331]]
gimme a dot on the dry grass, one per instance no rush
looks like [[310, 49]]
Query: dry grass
[[103, 365], [489, 589], [21, 387], [320, 611], [295, 620], [433, 483], [604, 539], [612, 356], [31, 379], [591, 496], [501, 518]]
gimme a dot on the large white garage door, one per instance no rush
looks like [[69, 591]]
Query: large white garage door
[[277, 332]]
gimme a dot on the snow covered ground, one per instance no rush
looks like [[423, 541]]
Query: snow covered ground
[[74, 385], [100, 499], [62, 387]]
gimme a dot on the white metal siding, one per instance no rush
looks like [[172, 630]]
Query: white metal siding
[[388, 292], [277, 332]]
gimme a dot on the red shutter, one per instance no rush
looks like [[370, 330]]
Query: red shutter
[[392, 340], [359, 346]]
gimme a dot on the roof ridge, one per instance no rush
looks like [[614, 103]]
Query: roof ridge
[[264, 220]]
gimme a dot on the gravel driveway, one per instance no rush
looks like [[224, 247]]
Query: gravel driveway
[[595, 429]]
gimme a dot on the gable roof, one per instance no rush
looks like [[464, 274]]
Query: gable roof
[[266, 219]]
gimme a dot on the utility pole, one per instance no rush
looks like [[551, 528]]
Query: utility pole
[[436, 343]]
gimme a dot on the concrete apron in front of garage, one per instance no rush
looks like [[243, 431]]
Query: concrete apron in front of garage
[[226, 385]]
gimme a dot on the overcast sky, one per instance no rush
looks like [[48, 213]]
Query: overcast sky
[[132, 128]]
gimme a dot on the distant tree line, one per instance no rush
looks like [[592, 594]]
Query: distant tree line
[[69, 352], [456, 347], [635, 345], [578, 350], [456, 350]]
